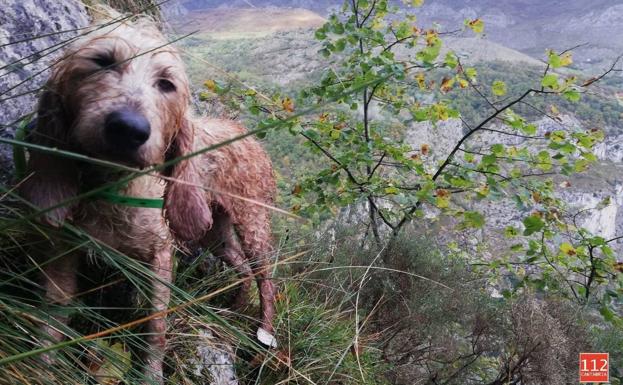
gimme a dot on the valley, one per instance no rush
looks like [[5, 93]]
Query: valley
[[274, 49]]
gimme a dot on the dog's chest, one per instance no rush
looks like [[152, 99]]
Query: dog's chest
[[136, 232]]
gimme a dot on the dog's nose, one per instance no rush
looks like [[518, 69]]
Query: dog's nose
[[127, 129]]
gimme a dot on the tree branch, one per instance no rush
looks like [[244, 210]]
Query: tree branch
[[456, 148], [369, 13], [598, 78], [513, 134], [350, 175]]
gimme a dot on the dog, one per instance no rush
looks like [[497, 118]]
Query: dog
[[121, 94]]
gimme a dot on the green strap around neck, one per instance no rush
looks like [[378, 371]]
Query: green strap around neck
[[110, 196], [124, 200]]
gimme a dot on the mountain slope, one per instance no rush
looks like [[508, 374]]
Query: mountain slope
[[246, 22], [529, 26]]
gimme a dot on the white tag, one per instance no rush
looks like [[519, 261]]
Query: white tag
[[266, 338]]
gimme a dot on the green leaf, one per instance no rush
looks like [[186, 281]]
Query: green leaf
[[558, 136], [516, 172], [489, 159], [545, 161], [498, 149], [581, 165], [391, 190], [607, 313], [442, 202], [568, 249], [471, 73], [528, 129], [517, 247], [510, 232], [337, 28], [114, 367], [476, 25], [473, 219], [451, 60], [572, 95], [340, 45], [554, 59], [499, 88], [421, 115], [429, 54], [532, 224], [550, 81], [402, 30], [460, 182], [557, 61]]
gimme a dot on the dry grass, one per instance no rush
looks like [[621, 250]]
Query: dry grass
[[149, 7]]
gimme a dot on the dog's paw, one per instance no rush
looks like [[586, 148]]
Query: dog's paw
[[266, 338], [56, 218]]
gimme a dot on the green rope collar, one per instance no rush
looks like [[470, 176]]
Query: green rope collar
[[124, 200], [110, 196]]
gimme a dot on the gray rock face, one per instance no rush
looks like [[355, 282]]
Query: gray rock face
[[214, 361], [587, 193], [173, 9], [611, 149], [32, 35], [440, 138]]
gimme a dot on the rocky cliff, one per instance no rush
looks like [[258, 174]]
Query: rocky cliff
[[32, 36], [597, 193]]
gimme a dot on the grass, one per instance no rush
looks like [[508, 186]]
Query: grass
[[315, 327], [150, 7], [345, 314], [104, 338]]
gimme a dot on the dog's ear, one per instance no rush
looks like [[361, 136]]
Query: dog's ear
[[186, 206], [50, 180]]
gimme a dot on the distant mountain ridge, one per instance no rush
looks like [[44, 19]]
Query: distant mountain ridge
[[520, 8], [320, 6], [529, 26], [236, 23]]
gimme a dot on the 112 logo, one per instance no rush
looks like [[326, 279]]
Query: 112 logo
[[594, 367]]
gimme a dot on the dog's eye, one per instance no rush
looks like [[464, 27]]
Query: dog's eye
[[165, 85], [103, 60]]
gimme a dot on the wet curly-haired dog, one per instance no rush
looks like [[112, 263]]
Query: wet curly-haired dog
[[120, 93]]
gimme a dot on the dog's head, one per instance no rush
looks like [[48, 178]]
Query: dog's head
[[120, 93]]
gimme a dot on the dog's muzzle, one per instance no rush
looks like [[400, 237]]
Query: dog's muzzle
[[126, 130]]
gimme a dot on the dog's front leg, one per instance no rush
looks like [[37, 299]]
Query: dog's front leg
[[157, 327], [60, 284]]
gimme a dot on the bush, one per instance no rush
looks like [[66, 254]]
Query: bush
[[437, 320]]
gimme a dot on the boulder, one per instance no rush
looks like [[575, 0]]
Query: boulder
[[32, 35]]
